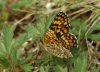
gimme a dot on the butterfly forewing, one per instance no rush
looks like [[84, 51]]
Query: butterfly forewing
[[60, 24]]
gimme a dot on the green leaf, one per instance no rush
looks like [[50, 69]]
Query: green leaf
[[94, 36], [7, 37], [45, 58], [80, 65], [2, 4], [2, 50], [26, 67], [44, 69], [4, 62], [94, 70], [16, 56], [79, 25], [75, 22], [22, 3], [32, 32], [48, 22], [26, 59], [21, 39], [60, 69], [95, 27], [18, 53], [40, 27]]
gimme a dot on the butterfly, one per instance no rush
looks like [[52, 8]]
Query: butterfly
[[58, 39]]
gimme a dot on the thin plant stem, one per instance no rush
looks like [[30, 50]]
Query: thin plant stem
[[12, 65]]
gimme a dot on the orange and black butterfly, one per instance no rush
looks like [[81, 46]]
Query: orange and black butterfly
[[58, 39]]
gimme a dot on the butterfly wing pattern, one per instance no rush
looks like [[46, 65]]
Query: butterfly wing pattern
[[58, 39]]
